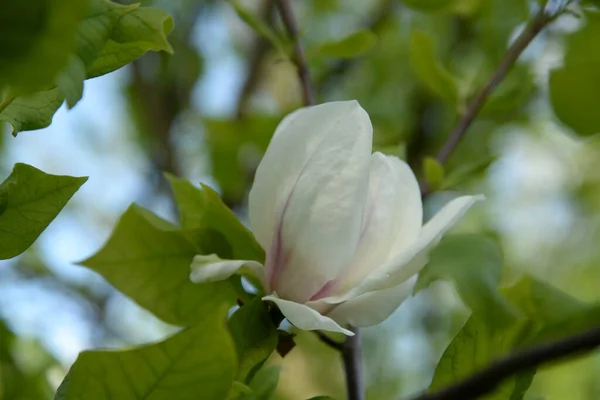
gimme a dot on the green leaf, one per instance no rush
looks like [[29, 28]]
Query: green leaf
[[202, 208], [33, 111], [37, 38], [474, 265], [137, 32], [70, 81], [236, 147], [429, 5], [573, 87], [466, 171], [111, 36], [255, 337], [265, 382], [29, 200], [197, 363], [429, 69], [148, 259], [239, 391], [434, 172], [546, 313], [354, 45], [259, 27]]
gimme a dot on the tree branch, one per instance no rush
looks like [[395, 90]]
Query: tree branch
[[334, 344], [537, 24], [488, 379], [352, 357], [287, 16]]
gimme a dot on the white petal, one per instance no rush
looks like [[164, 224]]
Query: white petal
[[411, 260], [392, 218], [305, 317], [374, 307], [306, 203], [210, 268]]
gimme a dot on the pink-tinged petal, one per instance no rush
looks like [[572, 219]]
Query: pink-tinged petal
[[411, 260], [306, 318], [374, 307], [210, 268], [392, 218], [308, 196]]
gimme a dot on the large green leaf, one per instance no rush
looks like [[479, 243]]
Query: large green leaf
[[197, 363], [574, 90], [202, 209], [29, 200], [474, 265], [37, 38], [148, 259], [265, 382], [255, 337], [546, 313], [354, 45], [111, 36], [428, 68]]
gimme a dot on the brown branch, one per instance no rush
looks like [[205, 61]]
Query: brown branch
[[258, 53], [488, 379], [352, 357], [289, 21], [537, 24]]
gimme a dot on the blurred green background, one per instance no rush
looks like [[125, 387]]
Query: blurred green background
[[207, 113]]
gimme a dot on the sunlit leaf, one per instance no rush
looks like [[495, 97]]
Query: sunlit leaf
[[354, 45], [202, 208], [33, 111], [429, 69], [574, 87], [148, 259], [239, 391], [197, 363], [255, 337], [29, 200], [434, 172]]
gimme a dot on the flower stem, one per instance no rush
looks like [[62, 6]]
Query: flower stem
[[352, 357]]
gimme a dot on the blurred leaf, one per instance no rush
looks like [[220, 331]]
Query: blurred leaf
[[259, 27], [429, 5], [32, 200], [148, 259], [265, 382], [111, 36], [429, 69], [473, 264], [466, 171], [354, 45], [197, 363], [37, 38], [70, 81], [239, 391], [236, 147], [137, 32], [203, 208], [574, 87], [478, 343], [434, 172], [255, 337]]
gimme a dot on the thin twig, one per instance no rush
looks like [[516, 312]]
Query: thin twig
[[537, 24], [352, 357], [488, 379], [334, 344], [289, 21]]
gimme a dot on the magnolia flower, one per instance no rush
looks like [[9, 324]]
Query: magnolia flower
[[341, 227]]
